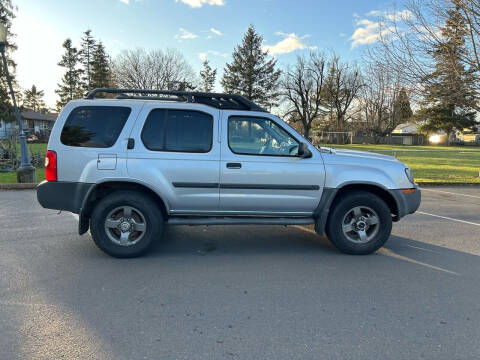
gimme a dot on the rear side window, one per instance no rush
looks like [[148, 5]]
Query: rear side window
[[94, 126], [178, 130]]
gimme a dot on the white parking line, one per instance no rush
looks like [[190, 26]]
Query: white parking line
[[448, 218], [451, 193]]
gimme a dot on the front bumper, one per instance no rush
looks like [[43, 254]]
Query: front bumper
[[407, 202], [62, 195]]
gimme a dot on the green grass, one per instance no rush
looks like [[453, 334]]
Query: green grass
[[454, 164], [11, 177], [41, 148]]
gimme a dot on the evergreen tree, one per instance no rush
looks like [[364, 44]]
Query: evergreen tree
[[450, 90], [207, 77], [251, 74], [71, 86], [86, 56], [402, 110], [32, 99], [7, 14], [101, 74]]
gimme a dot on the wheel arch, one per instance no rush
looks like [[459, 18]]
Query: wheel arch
[[373, 188], [100, 190], [332, 197]]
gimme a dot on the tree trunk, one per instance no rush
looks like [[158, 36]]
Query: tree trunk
[[306, 132]]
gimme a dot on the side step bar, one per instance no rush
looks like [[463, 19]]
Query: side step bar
[[239, 221]]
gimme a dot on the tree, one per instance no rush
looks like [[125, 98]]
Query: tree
[[101, 74], [71, 86], [401, 108], [86, 58], [303, 86], [450, 94], [7, 14], [32, 99], [207, 77], [155, 70], [383, 99], [342, 86], [251, 73]]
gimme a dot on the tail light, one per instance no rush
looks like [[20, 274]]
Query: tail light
[[51, 165]]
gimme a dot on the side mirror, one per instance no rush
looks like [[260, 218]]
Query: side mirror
[[303, 151]]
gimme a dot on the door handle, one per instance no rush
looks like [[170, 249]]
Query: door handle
[[234, 166]]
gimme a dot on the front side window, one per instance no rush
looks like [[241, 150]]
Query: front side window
[[178, 131], [259, 136], [94, 126]]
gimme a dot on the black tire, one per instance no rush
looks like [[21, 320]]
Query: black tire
[[344, 213], [144, 212]]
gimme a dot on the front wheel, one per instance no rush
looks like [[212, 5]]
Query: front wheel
[[125, 224], [360, 223]]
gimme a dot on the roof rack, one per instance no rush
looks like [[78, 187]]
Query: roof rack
[[216, 100]]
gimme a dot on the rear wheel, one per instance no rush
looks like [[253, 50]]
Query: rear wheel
[[126, 223], [360, 223]]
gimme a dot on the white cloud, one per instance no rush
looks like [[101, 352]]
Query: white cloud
[[200, 3], [368, 32], [216, 32], [399, 15], [203, 55], [371, 31], [371, 13], [128, 1], [290, 43], [185, 35]]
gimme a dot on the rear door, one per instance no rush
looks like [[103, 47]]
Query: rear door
[[176, 153], [260, 171], [91, 144]]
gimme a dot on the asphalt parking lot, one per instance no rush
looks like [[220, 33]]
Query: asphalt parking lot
[[246, 292]]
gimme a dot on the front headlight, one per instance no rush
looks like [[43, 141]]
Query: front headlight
[[409, 174]]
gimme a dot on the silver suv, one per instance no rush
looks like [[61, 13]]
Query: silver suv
[[131, 164]]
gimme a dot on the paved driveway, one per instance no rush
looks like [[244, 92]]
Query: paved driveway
[[242, 292]]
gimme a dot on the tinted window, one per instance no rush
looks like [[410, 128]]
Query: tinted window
[[259, 136], [178, 130], [94, 126]]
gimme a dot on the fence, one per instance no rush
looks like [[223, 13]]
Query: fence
[[349, 137]]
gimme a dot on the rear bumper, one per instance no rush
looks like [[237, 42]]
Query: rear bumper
[[407, 203], [61, 195]]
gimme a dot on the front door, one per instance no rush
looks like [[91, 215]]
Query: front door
[[261, 172]]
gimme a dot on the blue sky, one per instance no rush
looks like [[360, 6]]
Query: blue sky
[[198, 28]]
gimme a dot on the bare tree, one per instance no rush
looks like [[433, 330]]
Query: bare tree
[[155, 70], [383, 99], [409, 36], [342, 86], [302, 86]]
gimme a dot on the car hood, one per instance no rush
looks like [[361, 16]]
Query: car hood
[[357, 154]]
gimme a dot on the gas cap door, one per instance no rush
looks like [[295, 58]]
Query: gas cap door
[[107, 161]]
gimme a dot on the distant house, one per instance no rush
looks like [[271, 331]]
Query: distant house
[[32, 121], [406, 129]]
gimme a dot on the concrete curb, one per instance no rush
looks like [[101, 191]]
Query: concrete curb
[[16, 186], [440, 184]]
